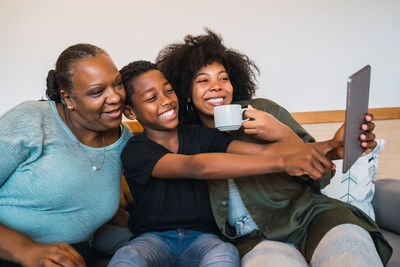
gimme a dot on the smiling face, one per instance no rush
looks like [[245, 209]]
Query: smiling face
[[154, 102], [210, 87], [97, 96]]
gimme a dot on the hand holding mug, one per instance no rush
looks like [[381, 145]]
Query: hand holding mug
[[265, 126]]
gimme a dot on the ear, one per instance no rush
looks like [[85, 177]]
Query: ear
[[66, 99], [189, 100], [129, 113]]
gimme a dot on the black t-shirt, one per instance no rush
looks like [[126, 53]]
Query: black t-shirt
[[169, 204]]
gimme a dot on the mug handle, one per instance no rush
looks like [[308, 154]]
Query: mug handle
[[243, 110]]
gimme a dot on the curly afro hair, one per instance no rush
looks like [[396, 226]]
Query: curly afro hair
[[181, 61], [132, 71]]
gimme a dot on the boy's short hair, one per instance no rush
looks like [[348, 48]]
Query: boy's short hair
[[130, 72]]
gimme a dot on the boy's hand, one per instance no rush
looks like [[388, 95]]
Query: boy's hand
[[310, 160]]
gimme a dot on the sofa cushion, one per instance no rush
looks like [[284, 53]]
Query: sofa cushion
[[386, 203], [357, 185]]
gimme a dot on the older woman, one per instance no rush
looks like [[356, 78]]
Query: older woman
[[278, 220], [60, 163]]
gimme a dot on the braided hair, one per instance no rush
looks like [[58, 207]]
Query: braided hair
[[61, 77], [181, 61]]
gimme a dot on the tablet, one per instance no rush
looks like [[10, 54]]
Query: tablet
[[356, 109]]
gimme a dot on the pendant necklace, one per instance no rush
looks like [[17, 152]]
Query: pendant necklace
[[95, 166]]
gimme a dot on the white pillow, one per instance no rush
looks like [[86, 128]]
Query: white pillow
[[356, 186]]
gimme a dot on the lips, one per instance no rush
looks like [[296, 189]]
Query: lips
[[168, 115], [116, 113]]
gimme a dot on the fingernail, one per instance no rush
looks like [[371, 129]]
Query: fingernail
[[364, 144]]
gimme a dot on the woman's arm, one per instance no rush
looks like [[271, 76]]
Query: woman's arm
[[18, 248], [367, 139]]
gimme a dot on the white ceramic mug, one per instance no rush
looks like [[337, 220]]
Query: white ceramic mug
[[228, 117]]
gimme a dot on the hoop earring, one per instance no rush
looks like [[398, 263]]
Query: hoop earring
[[189, 108]]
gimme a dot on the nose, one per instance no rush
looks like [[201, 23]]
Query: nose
[[165, 100], [215, 85], [114, 96]]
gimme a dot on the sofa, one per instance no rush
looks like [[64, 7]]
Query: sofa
[[386, 201], [386, 204]]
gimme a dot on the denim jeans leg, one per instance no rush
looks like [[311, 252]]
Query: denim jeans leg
[[145, 250], [209, 250]]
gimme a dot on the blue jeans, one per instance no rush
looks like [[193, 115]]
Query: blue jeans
[[176, 248]]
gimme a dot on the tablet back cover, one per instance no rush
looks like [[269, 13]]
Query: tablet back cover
[[356, 109]]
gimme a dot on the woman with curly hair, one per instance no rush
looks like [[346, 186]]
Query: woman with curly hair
[[273, 219]]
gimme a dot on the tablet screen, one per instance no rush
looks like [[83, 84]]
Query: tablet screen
[[356, 109]]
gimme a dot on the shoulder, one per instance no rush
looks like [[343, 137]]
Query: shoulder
[[204, 140], [196, 131], [140, 155], [141, 146], [28, 124], [195, 128], [126, 132], [133, 141], [28, 115], [262, 104], [29, 108]]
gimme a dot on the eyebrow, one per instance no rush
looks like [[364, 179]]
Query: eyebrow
[[118, 77], [148, 90], [95, 85], [205, 73], [152, 89]]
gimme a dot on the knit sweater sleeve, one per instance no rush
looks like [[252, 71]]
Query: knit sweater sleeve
[[19, 132]]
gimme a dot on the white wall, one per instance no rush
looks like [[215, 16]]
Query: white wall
[[305, 49]]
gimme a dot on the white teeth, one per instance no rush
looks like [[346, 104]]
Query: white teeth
[[167, 114], [214, 100]]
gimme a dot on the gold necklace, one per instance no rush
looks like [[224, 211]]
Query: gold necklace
[[94, 167]]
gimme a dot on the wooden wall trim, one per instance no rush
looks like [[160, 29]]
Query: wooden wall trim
[[314, 117], [339, 115]]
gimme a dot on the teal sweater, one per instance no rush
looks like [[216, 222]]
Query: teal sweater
[[48, 190]]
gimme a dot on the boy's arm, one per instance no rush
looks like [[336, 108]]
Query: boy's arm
[[279, 148], [211, 166]]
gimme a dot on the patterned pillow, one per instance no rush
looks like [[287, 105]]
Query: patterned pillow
[[356, 186]]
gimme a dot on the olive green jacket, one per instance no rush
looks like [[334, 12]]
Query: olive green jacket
[[287, 208]]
